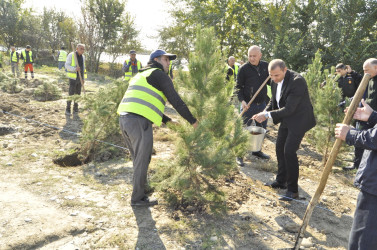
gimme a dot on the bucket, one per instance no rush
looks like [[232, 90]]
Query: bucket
[[256, 138]]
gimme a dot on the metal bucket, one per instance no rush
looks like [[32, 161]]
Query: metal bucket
[[256, 138]]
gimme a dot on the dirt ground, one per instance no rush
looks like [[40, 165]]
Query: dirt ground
[[46, 206]]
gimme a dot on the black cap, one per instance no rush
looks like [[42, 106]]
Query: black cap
[[132, 52], [28, 46]]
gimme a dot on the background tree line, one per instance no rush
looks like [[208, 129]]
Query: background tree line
[[293, 30], [105, 26]]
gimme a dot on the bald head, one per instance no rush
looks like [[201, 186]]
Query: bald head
[[254, 55], [370, 67]]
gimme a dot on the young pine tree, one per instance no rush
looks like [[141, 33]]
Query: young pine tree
[[208, 152], [325, 100]]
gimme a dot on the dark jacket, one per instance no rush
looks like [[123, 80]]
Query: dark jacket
[[371, 96], [296, 111], [249, 79], [349, 84], [366, 176], [161, 81]]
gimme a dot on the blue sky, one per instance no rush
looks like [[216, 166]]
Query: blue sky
[[150, 15]]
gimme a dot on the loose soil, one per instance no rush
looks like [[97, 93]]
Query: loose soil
[[47, 206]]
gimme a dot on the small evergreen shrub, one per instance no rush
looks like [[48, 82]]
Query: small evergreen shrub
[[47, 91]]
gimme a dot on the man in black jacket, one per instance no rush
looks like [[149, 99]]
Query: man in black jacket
[[369, 66], [144, 104], [364, 226], [250, 77], [291, 107], [348, 81]]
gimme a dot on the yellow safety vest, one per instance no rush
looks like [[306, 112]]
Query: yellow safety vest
[[62, 56], [143, 99], [30, 55], [128, 75], [73, 75], [235, 72], [13, 58]]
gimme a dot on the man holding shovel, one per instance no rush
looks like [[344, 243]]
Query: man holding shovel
[[73, 70], [291, 107], [250, 77], [364, 226]]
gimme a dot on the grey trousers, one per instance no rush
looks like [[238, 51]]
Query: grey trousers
[[15, 71], [138, 134]]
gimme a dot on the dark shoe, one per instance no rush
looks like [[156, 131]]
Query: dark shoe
[[261, 155], [239, 161], [289, 196], [349, 168], [145, 202], [68, 112], [275, 184]]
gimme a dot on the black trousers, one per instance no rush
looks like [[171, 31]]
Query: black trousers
[[363, 234], [74, 89], [287, 145]]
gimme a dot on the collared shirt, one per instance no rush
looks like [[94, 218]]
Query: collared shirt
[[278, 92], [278, 95]]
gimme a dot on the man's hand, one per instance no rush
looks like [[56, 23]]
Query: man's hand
[[341, 131], [363, 114], [195, 125], [244, 105], [77, 68], [260, 117]]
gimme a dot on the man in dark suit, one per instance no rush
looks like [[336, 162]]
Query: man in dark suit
[[291, 107]]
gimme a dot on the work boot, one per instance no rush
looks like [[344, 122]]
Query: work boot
[[239, 161], [144, 202], [349, 168], [32, 75], [261, 155], [275, 185], [289, 196]]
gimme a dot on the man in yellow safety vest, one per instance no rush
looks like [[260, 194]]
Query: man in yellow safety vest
[[62, 57], [28, 57], [14, 61], [131, 66], [72, 73], [142, 105]]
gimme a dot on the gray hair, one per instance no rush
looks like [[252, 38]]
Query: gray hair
[[276, 63], [254, 47], [231, 57], [80, 45], [371, 62]]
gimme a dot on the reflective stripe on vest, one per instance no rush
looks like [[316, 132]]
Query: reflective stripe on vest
[[62, 56], [13, 57], [128, 75], [30, 55], [73, 75], [143, 99]]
